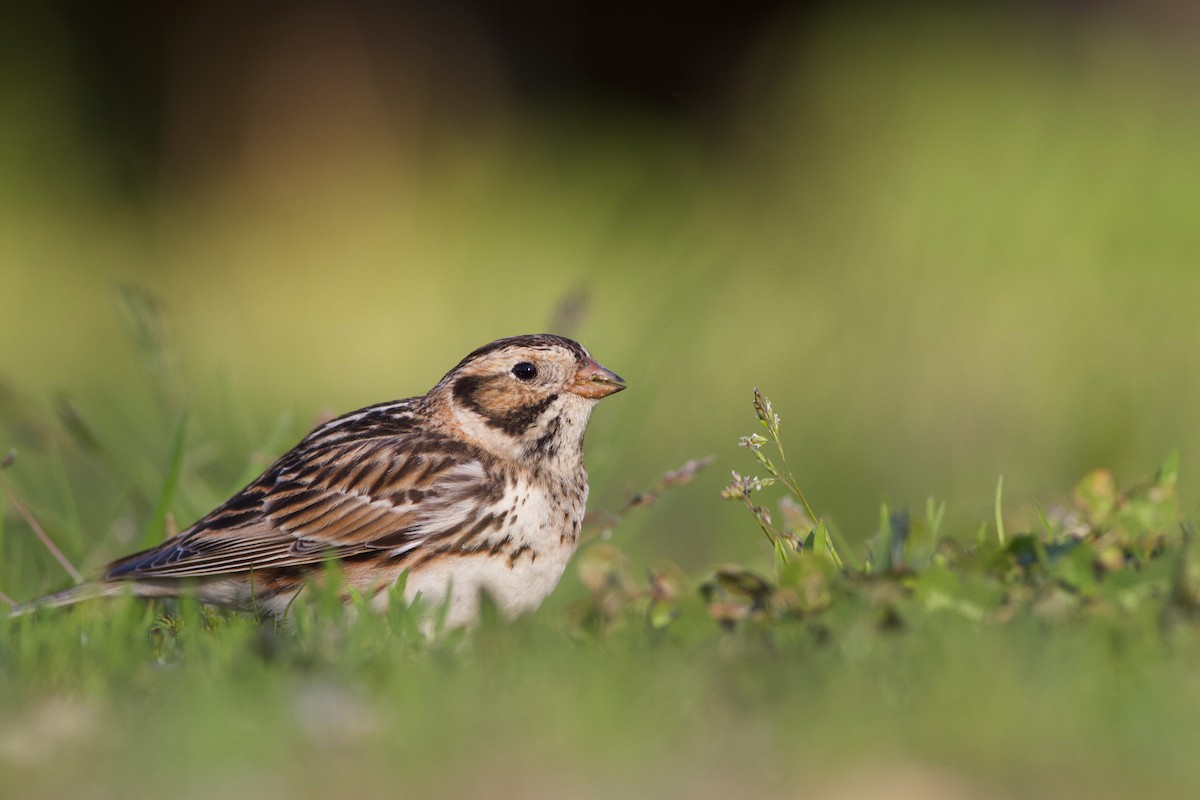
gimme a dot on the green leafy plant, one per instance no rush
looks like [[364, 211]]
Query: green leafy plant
[[802, 528]]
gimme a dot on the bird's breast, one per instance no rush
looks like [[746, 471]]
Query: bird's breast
[[518, 560]]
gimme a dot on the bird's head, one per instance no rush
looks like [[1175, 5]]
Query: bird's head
[[526, 396]]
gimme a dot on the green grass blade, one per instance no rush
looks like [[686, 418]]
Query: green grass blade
[[934, 514], [153, 532], [881, 552], [823, 544], [820, 537], [3, 518], [1046, 526], [999, 511]]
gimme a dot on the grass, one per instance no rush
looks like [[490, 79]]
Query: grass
[[1052, 662], [949, 246]]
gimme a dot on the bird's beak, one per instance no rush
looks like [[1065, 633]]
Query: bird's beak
[[594, 381]]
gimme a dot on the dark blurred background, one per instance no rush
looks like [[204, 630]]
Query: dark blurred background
[[145, 73], [950, 240]]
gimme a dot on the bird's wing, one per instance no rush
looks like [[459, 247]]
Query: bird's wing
[[334, 501]]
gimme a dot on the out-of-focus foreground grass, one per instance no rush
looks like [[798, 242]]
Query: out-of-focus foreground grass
[[949, 247]]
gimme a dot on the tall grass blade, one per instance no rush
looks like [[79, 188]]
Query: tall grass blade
[[152, 534], [999, 511]]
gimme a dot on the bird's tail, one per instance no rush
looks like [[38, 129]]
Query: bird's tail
[[67, 597]]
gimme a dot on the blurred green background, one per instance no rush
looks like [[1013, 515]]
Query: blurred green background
[[950, 243]]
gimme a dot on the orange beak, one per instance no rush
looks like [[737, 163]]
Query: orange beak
[[594, 381]]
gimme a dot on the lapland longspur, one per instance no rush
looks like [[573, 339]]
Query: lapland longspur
[[478, 485]]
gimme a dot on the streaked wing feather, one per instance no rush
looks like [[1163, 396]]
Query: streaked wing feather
[[346, 498]]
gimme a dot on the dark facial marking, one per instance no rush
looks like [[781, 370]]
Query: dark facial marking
[[519, 420], [513, 422], [465, 389]]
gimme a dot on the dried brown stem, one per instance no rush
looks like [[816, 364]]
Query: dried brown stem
[[43, 537]]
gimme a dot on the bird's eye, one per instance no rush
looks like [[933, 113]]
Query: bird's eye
[[524, 371]]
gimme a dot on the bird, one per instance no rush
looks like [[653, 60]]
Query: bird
[[477, 486]]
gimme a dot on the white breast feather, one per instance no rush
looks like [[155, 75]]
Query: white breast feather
[[516, 589]]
